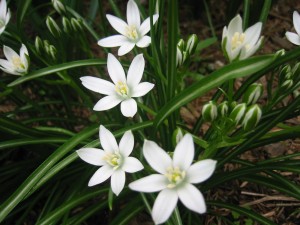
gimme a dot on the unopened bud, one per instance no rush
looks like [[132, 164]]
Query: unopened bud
[[253, 93], [296, 69], [53, 27], [209, 111], [76, 24], [223, 108], [179, 57], [59, 6], [191, 44], [38, 43], [66, 25], [279, 53], [286, 85], [181, 44], [252, 117], [52, 52], [286, 69], [177, 136], [238, 113]]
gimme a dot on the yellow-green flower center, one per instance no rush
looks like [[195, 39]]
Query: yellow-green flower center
[[113, 159], [122, 89], [16, 61], [175, 176], [237, 40], [131, 32]]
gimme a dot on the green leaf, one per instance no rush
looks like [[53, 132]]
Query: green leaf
[[231, 71], [57, 68], [22, 10]]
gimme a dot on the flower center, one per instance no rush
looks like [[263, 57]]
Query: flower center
[[122, 89], [237, 40], [131, 32], [16, 61], [175, 176], [113, 159]]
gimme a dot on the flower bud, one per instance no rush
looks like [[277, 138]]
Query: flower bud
[[209, 111], [253, 93], [238, 112], [38, 44], [76, 24], [177, 136], [191, 44], [223, 108], [279, 53], [286, 69], [67, 27], [180, 44], [179, 57], [296, 69], [53, 27], [252, 117], [52, 52], [59, 6], [286, 85]]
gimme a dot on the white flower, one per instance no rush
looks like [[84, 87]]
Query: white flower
[[114, 160], [238, 44], [4, 15], [131, 33], [295, 37], [15, 64], [122, 89], [175, 178]]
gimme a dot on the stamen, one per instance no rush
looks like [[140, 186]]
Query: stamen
[[175, 176], [113, 159], [237, 40], [131, 32], [16, 61], [122, 89]]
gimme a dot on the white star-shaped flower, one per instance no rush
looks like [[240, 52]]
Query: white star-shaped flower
[[15, 64], [4, 15], [131, 33], [238, 44], [123, 89], [114, 159], [294, 37], [175, 178]]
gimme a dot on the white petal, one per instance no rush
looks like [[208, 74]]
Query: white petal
[[235, 25], [184, 152], [164, 205], [3, 8], [145, 27], [224, 33], [92, 156], [107, 140], [246, 53], [126, 143], [292, 37], [144, 42], [8, 15], [118, 24], [192, 198], [252, 34], [117, 181], [101, 175], [133, 14], [107, 102], [132, 165], [125, 48], [113, 41], [23, 50], [9, 53], [158, 159], [128, 107], [6, 64], [201, 171], [2, 29], [135, 71], [296, 21], [10, 71], [98, 85], [151, 183], [141, 89], [115, 69]]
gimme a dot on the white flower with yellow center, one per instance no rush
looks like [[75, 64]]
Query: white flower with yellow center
[[294, 37], [131, 33], [114, 159], [175, 178], [238, 44], [123, 89], [4, 15], [15, 64]]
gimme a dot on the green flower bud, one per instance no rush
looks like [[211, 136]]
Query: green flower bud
[[59, 6], [296, 69], [67, 27], [253, 93], [286, 69], [252, 117], [279, 53], [223, 108], [209, 111], [177, 136], [191, 44], [53, 27], [179, 57], [286, 85], [76, 24], [238, 112], [180, 44], [52, 52], [38, 44]]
